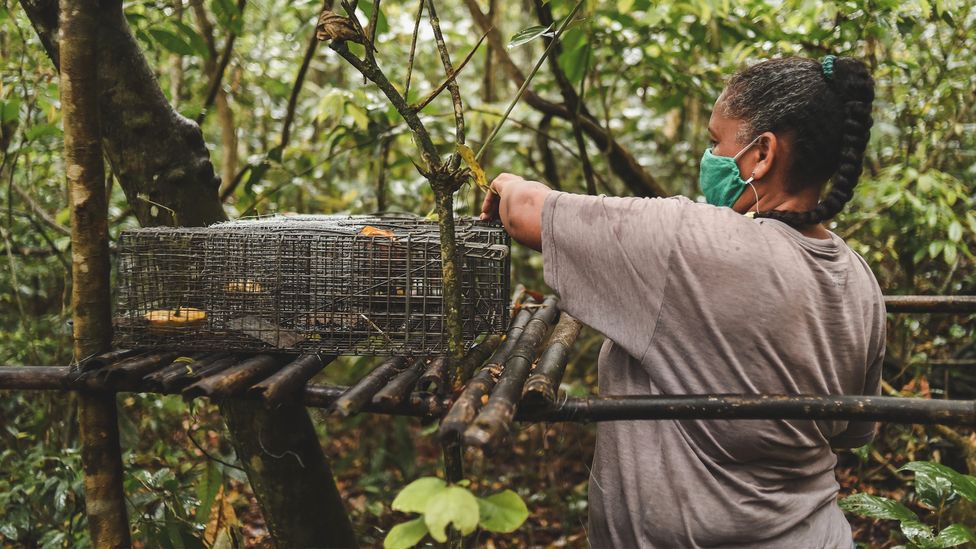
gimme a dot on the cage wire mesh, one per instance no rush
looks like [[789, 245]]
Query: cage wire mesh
[[358, 285]]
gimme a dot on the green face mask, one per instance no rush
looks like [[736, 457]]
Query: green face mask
[[719, 177]]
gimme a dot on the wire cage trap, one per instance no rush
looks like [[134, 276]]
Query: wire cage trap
[[361, 285]]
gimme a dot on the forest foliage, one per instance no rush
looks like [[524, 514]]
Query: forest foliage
[[647, 72]]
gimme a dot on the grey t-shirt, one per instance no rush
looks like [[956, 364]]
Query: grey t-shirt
[[698, 299]]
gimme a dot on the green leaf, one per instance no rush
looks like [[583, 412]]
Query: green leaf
[[955, 534], [527, 35], [476, 170], [171, 41], [962, 484], [955, 231], [502, 512], [9, 110], [932, 486], [919, 534], [42, 130], [950, 253], [415, 496], [405, 535], [228, 15], [193, 38], [453, 505], [870, 506]]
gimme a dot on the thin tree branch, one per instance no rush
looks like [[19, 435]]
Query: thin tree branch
[[574, 101], [218, 75], [621, 161], [452, 85], [297, 87], [525, 81], [413, 47], [452, 75], [39, 211]]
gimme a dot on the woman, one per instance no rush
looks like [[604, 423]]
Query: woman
[[699, 298]]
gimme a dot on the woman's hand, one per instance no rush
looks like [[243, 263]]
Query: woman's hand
[[518, 204], [492, 203]]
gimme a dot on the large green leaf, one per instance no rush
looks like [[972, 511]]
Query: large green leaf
[[171, 41], [454, 505], [962, 484], [870, 506], [502, 512], [416, 495], [919, 534], [405, 535], [955, 534]]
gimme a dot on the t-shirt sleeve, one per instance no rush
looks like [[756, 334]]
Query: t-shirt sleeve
[[859, 433], [607, 258]]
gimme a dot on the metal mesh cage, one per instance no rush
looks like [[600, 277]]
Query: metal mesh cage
[[333, 284]]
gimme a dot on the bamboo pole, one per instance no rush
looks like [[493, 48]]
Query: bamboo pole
[[362, 392], [400, 387], [235, 379], [289, 380], [477, 356], [930, 303], [496, 417], [101, 457], [542, 386], [154, 380], [466, 408], [434, 378], [180, 378]]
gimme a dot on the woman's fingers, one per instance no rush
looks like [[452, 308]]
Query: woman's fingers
[[489, 207]]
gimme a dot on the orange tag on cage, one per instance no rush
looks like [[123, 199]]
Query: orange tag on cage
[[370, 230]]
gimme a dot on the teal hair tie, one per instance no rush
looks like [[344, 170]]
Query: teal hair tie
[[827, 65]]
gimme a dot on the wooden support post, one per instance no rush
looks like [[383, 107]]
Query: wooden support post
[[289, 474], [90, 296]]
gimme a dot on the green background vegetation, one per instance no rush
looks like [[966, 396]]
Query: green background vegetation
[[648, 71]]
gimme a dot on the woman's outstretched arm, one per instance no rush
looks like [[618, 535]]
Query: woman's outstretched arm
[[518, 204]]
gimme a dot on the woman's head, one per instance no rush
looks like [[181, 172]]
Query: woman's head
[[818, 115]]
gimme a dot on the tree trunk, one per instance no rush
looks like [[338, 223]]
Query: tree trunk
[[289, 475], [158, 155], [161, 159], [90, 296]]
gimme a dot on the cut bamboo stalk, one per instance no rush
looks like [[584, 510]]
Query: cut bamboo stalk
[[466, 408], [115, 375], [235, 379], [543, 384], [32, 378], [362, 392], [434, 378], [495, 419], [179, 379], [154, 380], [290, 379], [98, 373], [400, 387], [104, 359], [477, 356]]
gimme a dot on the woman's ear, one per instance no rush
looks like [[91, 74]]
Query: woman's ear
[[767, 151]]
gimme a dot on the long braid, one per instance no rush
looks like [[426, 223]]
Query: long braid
[[829, 118]]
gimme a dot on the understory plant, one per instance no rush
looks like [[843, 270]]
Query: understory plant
[[939, 489], [441, 504]]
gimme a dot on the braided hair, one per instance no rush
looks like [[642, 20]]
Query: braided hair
[[827, 118]]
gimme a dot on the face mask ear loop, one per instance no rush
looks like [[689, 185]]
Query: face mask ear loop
[[749, 181]]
